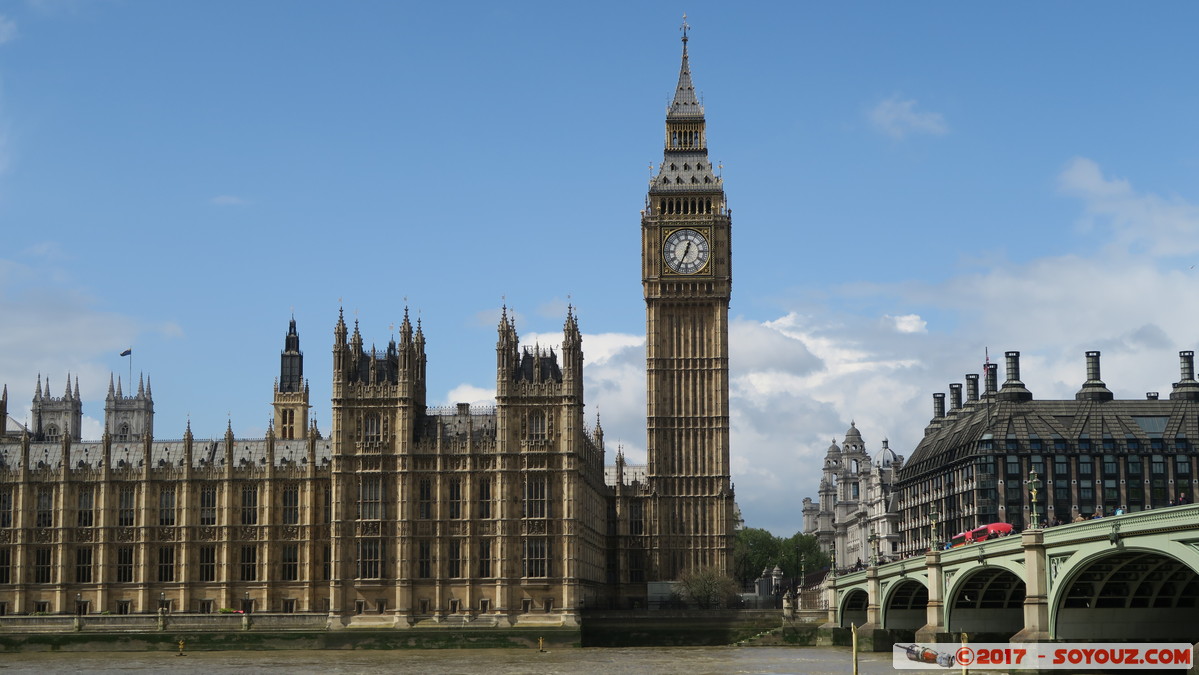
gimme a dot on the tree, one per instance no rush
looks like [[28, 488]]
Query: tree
[[708, 588], [754, 549], [801, 545]]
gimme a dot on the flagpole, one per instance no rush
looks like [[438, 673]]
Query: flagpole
[[129, 352]]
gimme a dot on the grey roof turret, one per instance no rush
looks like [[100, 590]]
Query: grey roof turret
[[685, 103]]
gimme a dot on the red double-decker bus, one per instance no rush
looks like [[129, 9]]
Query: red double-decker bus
[[978, 534]]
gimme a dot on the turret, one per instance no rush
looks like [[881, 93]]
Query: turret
[[129, 418], [507, 353], [340, 350], [291, 389], [54, 418], [291, 361], [572, 355]]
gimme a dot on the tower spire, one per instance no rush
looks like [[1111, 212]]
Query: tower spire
[[685, 103]]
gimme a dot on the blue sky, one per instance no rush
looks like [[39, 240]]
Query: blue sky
[[911, 184]]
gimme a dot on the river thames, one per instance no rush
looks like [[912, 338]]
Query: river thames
[[605, 661]]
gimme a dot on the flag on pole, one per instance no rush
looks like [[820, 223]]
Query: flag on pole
[[127, 352]]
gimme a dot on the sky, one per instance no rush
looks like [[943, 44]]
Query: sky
[[914, 186]]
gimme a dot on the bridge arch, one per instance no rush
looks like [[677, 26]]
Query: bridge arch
[[987, 600], [853, 608], [1128, 593], [905, 605]]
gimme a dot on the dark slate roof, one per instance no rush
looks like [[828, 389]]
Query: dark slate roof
[[163, 454], [959, 434], [538, 365], [686, 171], [456, 424], [685, 103]]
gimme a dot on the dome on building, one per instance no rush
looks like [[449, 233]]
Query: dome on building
[[834, 449], [853, 439], [886, 456], [853, 434]]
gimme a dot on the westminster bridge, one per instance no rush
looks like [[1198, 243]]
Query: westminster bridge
[[1128, 577]]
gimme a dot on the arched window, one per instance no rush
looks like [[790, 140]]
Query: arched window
[[52, 433], [371, 434], [537, 425]]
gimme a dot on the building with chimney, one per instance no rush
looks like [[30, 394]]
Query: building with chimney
[[1091, 455]]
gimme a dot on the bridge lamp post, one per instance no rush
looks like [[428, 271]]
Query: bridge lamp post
[[1034, 484], [932, 535], [874, 549], [803, 570]]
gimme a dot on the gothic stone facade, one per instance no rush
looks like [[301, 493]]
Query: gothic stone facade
[[405, 514]]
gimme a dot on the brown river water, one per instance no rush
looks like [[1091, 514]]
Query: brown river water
[[602, 661]]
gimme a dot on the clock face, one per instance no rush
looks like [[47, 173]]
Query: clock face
[[686, 251]]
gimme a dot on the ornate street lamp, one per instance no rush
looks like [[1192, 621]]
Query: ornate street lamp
[[803, 573], [1034, 484], [874, 549], [932, 536]]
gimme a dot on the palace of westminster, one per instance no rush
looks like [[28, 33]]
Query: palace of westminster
[[405, 515]]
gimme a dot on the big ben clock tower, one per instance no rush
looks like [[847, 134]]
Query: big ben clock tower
[[686, 268]]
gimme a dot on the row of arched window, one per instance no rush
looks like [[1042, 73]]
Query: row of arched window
[[685, 139], [685, 206]]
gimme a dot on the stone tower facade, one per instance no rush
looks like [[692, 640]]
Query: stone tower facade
[[687, 278], [129, 418], [406, 515], [291, 389], [57, 417]]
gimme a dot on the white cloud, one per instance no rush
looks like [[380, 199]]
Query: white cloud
[[1126, 301], [8, 29], [908, 323], [229, 200], [82, 340], [1156, 225], [898, 118], [468, 393]]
